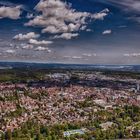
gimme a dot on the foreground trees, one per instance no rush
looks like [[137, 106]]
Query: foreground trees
[[126, 124]]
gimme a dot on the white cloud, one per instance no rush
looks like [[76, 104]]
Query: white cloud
[[11, 45], [135, 18], [101, 15], [67, 36], [54, 29], [30, 15], [94, 54], [107, 32], [27, 36], [76, 57], [132, 6], [36, 42], [132, 54], [67, 56], [83, 27], [89, 54], [83, 56], [58, 17], [40, 48], [27, 46], [88, 30], [129, 5], [122, 26], [10, 51], [10, 12]]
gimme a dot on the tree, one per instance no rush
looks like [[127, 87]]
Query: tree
[[2, 136], [39, 137], [8, 135], [54, 137], [49, 137]]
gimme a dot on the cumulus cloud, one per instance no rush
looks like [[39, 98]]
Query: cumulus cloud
[[59, 17], [40, 48], [27, 46], [30, 15], [27, 36], [10, 51], [107, 32], [88, 30], [10, 12], [101, 15], [83, 27], [36, 42], [66, 36]]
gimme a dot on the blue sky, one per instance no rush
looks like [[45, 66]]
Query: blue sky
[[89, 32]]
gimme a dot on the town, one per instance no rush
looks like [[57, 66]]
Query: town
[[72, 104]]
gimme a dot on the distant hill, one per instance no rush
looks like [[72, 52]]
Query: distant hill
[[21, 65]]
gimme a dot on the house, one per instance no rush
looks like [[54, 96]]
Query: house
[[106, 125], [73, 132]]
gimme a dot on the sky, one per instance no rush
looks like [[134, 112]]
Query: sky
[[70, 31]]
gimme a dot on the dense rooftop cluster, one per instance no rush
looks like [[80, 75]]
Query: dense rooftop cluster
[[70, 99]]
